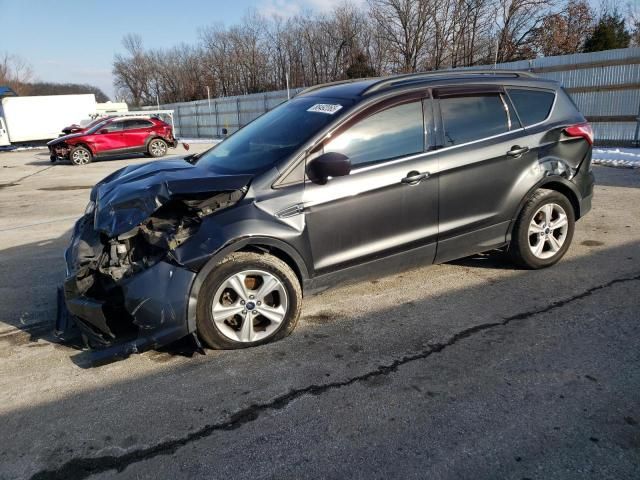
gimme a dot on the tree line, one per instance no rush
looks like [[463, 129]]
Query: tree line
[[388, 36]]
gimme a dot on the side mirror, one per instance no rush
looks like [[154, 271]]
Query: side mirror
[[224, 131], [103, 130], [330, 164]]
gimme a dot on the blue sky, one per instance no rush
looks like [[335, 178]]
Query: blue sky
[[75, 41]]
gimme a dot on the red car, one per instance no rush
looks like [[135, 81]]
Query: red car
[[114, 136], [75, 128]]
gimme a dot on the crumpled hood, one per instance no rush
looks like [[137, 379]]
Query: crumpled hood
[[130, 195], [64, 138]]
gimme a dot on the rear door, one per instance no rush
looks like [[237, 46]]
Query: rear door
[[135, 133], [376, 211], [483, 157]]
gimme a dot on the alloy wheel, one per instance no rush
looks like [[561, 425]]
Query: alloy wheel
[[80, 157], [157, 148], [250, 306], [548, 230]]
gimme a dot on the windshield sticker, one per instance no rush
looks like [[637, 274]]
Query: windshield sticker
[[325, 108]]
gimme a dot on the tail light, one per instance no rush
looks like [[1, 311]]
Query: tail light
[[583, 130]]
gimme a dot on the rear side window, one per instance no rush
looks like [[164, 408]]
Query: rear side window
[[392, 133], [473, 117], [137, 123], [533, 106]]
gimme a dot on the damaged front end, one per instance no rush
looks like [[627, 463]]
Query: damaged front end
[[124, 285]]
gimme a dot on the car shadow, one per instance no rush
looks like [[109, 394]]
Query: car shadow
[[495, 259]]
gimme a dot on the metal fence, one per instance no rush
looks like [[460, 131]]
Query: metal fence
[[207, 118], [604, 85]]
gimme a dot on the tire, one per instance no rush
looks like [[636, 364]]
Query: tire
[[80, 155], [228, 328], [157, 148], [543, 231]]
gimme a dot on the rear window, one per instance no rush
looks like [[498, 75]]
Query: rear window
[[533, 106], [470, 118], [137, 123]]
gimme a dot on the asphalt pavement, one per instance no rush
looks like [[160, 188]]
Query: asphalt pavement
[[471, 369]]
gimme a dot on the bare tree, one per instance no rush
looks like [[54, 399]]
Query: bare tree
[[406, 24], [15, 72], [517, 21], [565, 32], [389, 36]]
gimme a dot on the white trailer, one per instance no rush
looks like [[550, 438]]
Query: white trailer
[[29, 119]]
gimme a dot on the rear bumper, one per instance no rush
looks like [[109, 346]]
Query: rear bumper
[[584, 181]]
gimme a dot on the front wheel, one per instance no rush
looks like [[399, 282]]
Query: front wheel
[[80, 156], [248, 299], [544, 230], [157, 147]]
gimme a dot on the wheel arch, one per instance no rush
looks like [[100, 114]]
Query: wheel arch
[[558, 184], [272, 246], [85, 145], [152, 137]]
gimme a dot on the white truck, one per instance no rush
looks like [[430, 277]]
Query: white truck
[[30, 119]]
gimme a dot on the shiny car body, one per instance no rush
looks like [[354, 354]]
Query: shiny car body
[[114, 136], [438, 167]]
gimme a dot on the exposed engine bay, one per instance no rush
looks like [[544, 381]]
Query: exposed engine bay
[[151, 241], [125, 282]]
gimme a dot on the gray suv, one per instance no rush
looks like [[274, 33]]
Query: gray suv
[[346, 180]]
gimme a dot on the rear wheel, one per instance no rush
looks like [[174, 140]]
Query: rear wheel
[[80, 155], [248, 299], [157, 147], [543, 231]]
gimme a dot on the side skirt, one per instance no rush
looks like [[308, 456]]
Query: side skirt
[[375, 268]]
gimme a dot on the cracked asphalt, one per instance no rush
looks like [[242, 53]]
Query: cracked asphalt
[[470, 369]]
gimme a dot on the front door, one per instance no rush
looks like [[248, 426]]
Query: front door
[[388, 204], [109, 139]]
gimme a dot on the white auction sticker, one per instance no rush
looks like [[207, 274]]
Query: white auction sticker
[[328, 108]]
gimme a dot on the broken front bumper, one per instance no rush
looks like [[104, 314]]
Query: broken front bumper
[[145, 310]]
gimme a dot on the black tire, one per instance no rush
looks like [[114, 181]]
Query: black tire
[[80, 155], [237, 262], [519, 248], [157, 148]]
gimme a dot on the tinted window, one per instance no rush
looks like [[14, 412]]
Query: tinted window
[[137, 123], [391, 133], [533, 106], [472, 117], [273, 136]]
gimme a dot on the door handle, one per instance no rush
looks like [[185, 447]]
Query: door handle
[[414, 177], [517, 150]]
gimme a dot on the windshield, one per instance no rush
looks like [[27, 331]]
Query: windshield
[[97, 126], [273, 136]]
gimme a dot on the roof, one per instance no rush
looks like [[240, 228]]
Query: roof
[[5, 91], [368, 86]]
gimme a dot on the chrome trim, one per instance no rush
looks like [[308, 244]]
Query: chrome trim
[[506, 110], [553, 105], [413, 157]]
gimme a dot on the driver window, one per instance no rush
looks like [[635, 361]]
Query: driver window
[[395, 132]]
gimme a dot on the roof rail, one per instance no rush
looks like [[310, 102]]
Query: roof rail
[[331, 84], [414, 77]]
